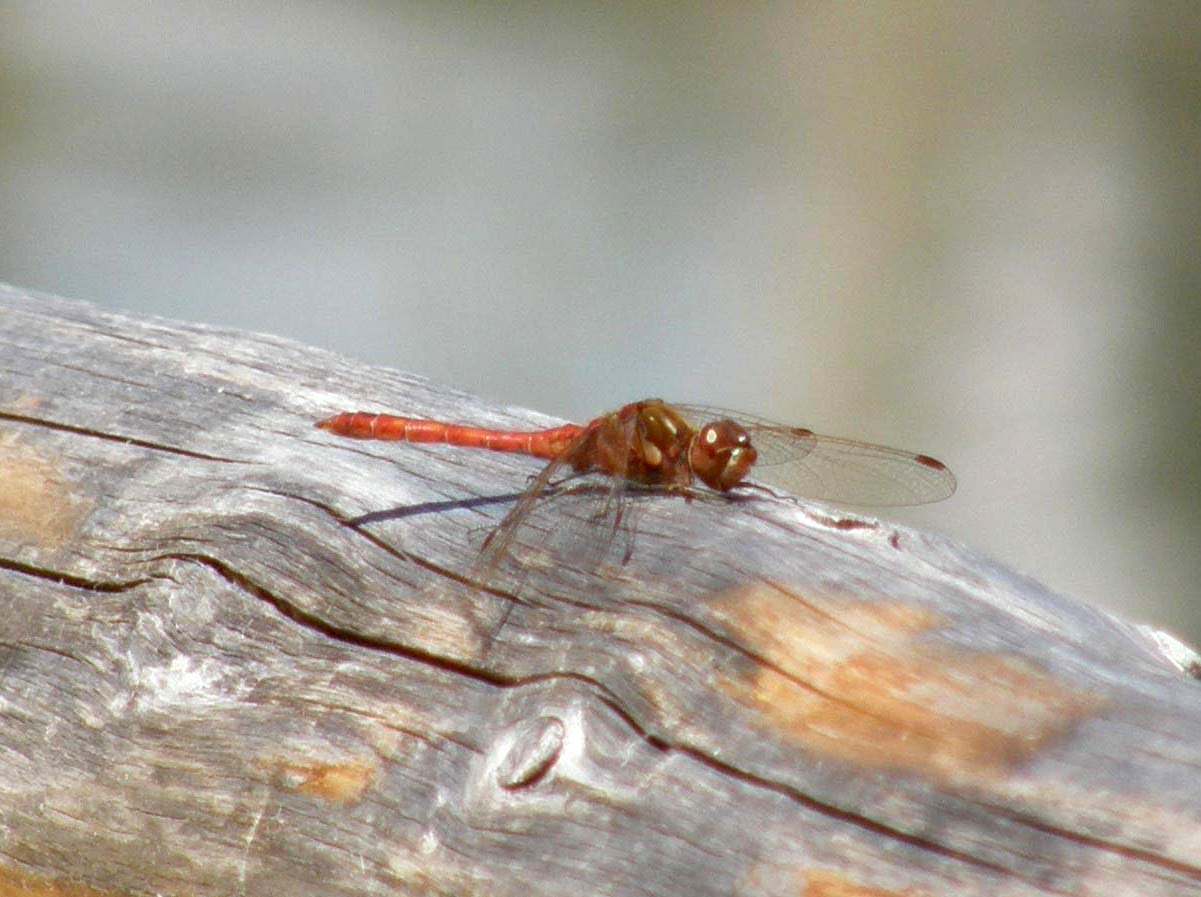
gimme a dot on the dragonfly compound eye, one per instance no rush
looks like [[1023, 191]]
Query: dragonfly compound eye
[[721, 455]]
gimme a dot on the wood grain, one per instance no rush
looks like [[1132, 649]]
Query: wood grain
[[241, 656]]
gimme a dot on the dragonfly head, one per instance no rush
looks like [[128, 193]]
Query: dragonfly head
[[721, 454]]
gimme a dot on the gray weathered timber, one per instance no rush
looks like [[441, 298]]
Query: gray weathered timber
[[241, 656]]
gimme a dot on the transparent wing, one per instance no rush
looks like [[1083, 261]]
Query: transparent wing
[[828, 467], [554, 523]]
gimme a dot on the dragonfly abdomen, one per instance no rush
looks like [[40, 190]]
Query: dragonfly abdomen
[[365, 425]]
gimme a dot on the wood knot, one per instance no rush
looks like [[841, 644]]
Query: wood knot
[[534, 747]]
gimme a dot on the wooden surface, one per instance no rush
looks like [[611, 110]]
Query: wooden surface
[[218, 677]]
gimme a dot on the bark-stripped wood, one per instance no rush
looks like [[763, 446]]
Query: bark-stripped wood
[[241, 656]]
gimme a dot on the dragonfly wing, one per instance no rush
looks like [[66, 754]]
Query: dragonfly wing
[[849, 472], [500, 541], [827, 467], [554, 523]]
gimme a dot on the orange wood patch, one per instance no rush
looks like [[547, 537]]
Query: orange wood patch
[[340, 783], [862, 681], [17, 884], [829, 884], [36, 502]]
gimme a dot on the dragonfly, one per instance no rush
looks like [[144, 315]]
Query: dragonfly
[[680, 449]]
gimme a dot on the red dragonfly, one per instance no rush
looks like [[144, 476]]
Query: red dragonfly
[[676, 446], [672, 447]]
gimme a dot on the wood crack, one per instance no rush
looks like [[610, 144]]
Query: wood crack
[[113, 437], [69, 579], [333, 631], [1191, 870]]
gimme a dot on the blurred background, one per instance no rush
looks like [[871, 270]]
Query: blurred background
[[964, 229]]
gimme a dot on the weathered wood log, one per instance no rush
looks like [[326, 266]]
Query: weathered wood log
[[241, 656]]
